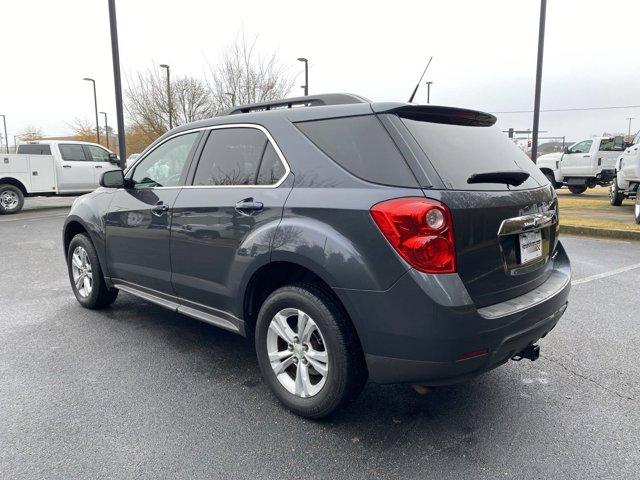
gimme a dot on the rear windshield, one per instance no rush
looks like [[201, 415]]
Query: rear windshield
[[459, 151], [361, 146], [34, 149]]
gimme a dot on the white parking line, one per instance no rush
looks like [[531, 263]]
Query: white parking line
[[24, 219], [605, 274]]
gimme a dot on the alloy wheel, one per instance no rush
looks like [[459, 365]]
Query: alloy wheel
[[297, 352], [82, 272]]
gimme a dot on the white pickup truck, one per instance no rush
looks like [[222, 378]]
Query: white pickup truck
[[51, 167], [584, 164], [627, 180]]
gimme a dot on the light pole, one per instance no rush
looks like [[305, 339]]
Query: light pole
[[95, 104], [306, 75], [536, 102], [628, 135], [6, 139], [429, 83], [115, 54], [106, 127], [167, 68]]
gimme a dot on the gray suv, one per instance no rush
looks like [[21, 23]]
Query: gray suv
[[349, 240]]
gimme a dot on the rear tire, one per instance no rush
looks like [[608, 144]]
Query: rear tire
[[636, 209], [277, 334], [577, 189], [85, 274], [11, 199], [615, 195]]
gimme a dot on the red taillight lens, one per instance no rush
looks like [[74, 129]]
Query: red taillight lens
[[420, 230]]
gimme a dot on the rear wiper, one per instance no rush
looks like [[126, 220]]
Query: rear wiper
[[510, 177]]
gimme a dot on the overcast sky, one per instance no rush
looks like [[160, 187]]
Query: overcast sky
[[484, 53]]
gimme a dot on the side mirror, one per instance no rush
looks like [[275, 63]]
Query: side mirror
[[113, 158], [112, 179], [566, 149]]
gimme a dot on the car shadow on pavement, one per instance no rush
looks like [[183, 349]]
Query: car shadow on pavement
[[223, 360]]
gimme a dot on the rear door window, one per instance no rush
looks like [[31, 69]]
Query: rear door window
[[458, 151], [271, 168], [361, 146], [72, 153], [34, 149], [233, 156]]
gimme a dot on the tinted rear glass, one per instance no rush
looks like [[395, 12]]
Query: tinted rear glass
[[459, 151], [34, 149], [271, 168], [231, 156], [361, 146]]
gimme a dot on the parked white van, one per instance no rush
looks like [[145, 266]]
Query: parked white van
[[51, 167]]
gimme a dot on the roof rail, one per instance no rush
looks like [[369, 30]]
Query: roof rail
[[308, 101]]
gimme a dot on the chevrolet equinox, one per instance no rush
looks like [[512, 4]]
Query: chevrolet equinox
[[349, 240]]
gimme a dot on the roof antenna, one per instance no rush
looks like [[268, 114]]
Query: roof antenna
[[415, 90]]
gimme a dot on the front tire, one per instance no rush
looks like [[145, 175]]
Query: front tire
[[615, 195], [308, 351], [11, 199], [577, 189], [85, 274]]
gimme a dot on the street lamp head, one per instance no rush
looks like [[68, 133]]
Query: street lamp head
[[88, 79], [164, 65], [302, 59]]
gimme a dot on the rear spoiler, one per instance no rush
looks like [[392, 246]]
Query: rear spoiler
[[437, 114]]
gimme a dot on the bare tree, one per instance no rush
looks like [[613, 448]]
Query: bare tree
[[83, 130], [147, 101], [30, 132], [243, 76]]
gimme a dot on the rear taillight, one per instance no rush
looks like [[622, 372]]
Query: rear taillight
[[420, 230]]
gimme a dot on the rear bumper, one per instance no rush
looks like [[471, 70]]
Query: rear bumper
[[417, 330]]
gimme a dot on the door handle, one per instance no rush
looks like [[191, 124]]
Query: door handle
[[247, 206], [586, 156], [98, 166], [66, 166], [159, 209], [635, 149]]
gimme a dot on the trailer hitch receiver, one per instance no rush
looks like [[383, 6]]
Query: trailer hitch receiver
[[532, 352]]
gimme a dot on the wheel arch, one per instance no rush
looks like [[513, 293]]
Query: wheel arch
[[15, 182], [72, 228], [274, 275], [74, 225]]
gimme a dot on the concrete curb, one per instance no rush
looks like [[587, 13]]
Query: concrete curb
[[600, 232]]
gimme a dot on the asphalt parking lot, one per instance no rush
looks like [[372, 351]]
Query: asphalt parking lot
[[139, 392]]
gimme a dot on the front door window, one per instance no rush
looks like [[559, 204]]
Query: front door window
[[163, 167]]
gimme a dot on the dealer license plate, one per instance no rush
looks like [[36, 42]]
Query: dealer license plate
[[530, 246]]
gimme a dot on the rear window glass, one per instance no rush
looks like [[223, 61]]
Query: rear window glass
[[459, 151], [361, 146], [34, 149]]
